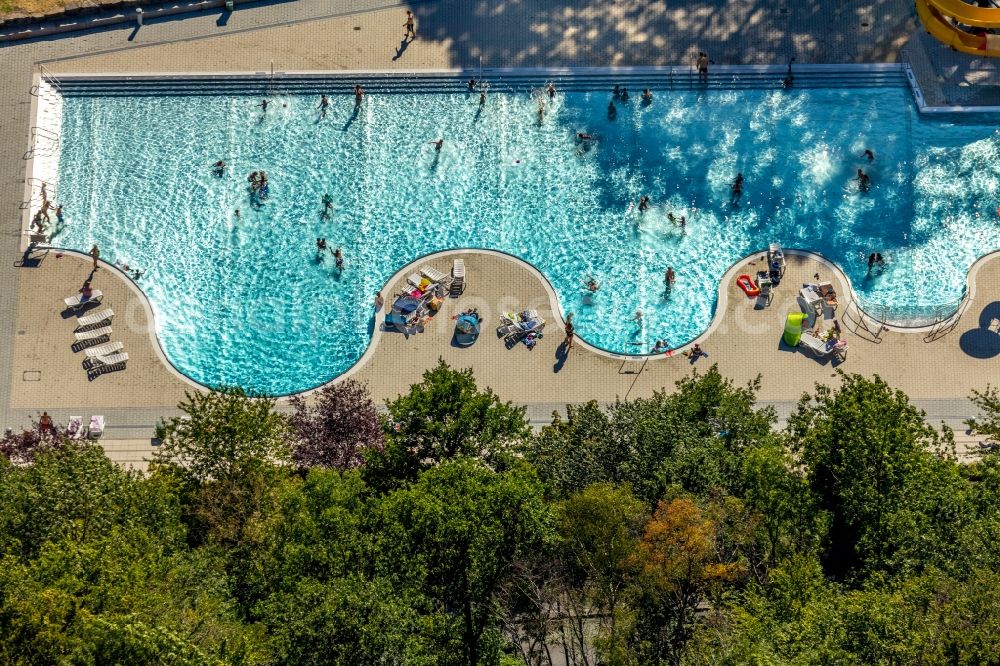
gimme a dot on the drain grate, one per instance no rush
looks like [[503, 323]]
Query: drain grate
[[32, 375]]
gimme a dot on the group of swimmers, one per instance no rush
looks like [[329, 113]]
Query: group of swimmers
[[41, 217], [621, 94], [321, 249]]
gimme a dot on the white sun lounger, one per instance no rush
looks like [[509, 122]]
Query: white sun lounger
[[96, 426], [95, 318], [414, 280], [78, 301], [92, 334], [106, 349], [434, 275], [821, 347], [109, 360]]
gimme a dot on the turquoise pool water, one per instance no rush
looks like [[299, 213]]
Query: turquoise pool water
[[244, 301]]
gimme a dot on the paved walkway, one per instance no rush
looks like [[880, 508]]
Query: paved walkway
[[364, 34]]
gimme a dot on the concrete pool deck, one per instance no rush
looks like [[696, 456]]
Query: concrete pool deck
[[937, 369], [364, 34]]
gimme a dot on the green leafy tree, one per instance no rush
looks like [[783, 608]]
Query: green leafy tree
[[988, 424], [457, 534], [442, 417], [600, 529], [224, 434], [867, 452]]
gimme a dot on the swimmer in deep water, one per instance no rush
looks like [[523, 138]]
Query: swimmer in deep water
[[437, 145], [612, 111], [875, 258], [647, 97], [643, 203], [737, 192], [219, 168], [583, 136], [551, 90], [624, 94], [869, 154], [669, 277], [263, 105], [864, 181], [616, 92], [592, 284], [320, 247], [327, 206]]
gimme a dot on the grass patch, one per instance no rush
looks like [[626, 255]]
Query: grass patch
[[30, 6]]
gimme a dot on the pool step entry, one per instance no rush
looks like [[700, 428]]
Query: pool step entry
[[583, 80]]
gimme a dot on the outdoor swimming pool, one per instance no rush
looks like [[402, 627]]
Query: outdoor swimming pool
[[245, 302]]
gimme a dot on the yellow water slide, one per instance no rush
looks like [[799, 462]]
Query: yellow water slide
[[935, 15]]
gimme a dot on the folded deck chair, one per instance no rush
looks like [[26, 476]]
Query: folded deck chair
[[92, 334], [458, 277], [78, 301], [106, 349], [75, 428], [95, 318], [503, 330], [108, 361], [529, 315], [434, 275], [96, 426]]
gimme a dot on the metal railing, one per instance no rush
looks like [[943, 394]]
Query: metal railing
[[47, 76], [937, 318], [46, 135]]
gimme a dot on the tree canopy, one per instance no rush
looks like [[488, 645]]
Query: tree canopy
[[683, 528]]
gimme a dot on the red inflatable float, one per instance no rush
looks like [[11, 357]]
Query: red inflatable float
[[747, 285]]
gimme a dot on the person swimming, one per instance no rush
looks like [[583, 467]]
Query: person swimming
[[660, 347], [869, 154], [219, 168], [263, 105], [327, 206], [472, 84], [482, 98], [339, 257], [551, 90], [616, 92], [437, 145], [643, 203], [875, 258], [612, 111], [737, 192], [669, 277], [359, 95], [624, 94], [864, 181], [647, 96], [324, 104], [592, 284], [320, 247], [583, 136]]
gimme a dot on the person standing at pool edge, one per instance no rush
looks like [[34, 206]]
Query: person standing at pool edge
[[95, 254], [569, 331], [702, 64], [410, 25]]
